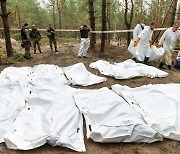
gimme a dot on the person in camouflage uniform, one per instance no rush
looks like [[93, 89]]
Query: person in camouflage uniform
[[52, 39], [26, 42], [35, 37]]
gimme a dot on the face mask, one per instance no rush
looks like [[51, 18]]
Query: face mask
[[143, 25]]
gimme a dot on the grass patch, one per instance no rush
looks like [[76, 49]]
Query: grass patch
[[16, 36], [20, 57], [10, 60]]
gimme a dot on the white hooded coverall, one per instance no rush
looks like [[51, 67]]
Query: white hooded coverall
[[168, 40], [137, 31], [143, 48]]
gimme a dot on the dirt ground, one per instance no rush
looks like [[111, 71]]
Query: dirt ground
[[68, 56]]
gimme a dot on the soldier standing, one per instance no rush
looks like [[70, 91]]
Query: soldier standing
[[52, 39], [35, 37], [26, 42]]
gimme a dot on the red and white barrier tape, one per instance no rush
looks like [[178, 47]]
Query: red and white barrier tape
[[98, 32]]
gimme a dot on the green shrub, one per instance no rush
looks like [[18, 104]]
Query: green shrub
[[21, 57], [16, 36]]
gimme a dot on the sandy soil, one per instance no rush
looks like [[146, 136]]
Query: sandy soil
[[68, 56]]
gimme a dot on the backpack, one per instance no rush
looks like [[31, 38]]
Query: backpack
[[177, 63]]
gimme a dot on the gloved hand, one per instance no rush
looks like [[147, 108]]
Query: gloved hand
[[136, 43], [150, 44], [159, 46], [153, 36]]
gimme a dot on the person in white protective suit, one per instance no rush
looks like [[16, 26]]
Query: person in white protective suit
[[144, 41], [168, 42], [139, 27], [85, 41]]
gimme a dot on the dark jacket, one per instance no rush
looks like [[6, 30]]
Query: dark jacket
[[51, 33], [34, 34], [24, 34], [84, 32]]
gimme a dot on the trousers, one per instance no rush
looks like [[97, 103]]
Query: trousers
[[85, 43]]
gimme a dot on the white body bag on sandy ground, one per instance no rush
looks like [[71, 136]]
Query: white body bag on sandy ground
[[110, 119], [12, 99], [12, 102], [127, 69], [158, 104], [50, 116], [37, 107], [155, 53], [42, 74], [77, 74]]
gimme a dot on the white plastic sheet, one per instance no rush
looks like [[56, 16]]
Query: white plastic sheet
[[16, 74], [110, 119], [127, 69], [67, 121], [38, 107], [78, 75], [46, 73], [43, 73], [155, 52], [158, 104], [50, 116], [12, 101]]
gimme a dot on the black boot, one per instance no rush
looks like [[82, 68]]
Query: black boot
[[169, 67], [146, 60], [161, 65]]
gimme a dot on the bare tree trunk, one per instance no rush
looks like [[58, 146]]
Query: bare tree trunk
[[108, 20], [157, 11], [60, 7], [4, 16], [179, 13], [17, 15], [59, 13], [163, 21], [92, 24], [152, 12], [160, 10], [103, 36], [140, 9], [53, 13], [173, 12], [128, 24]]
